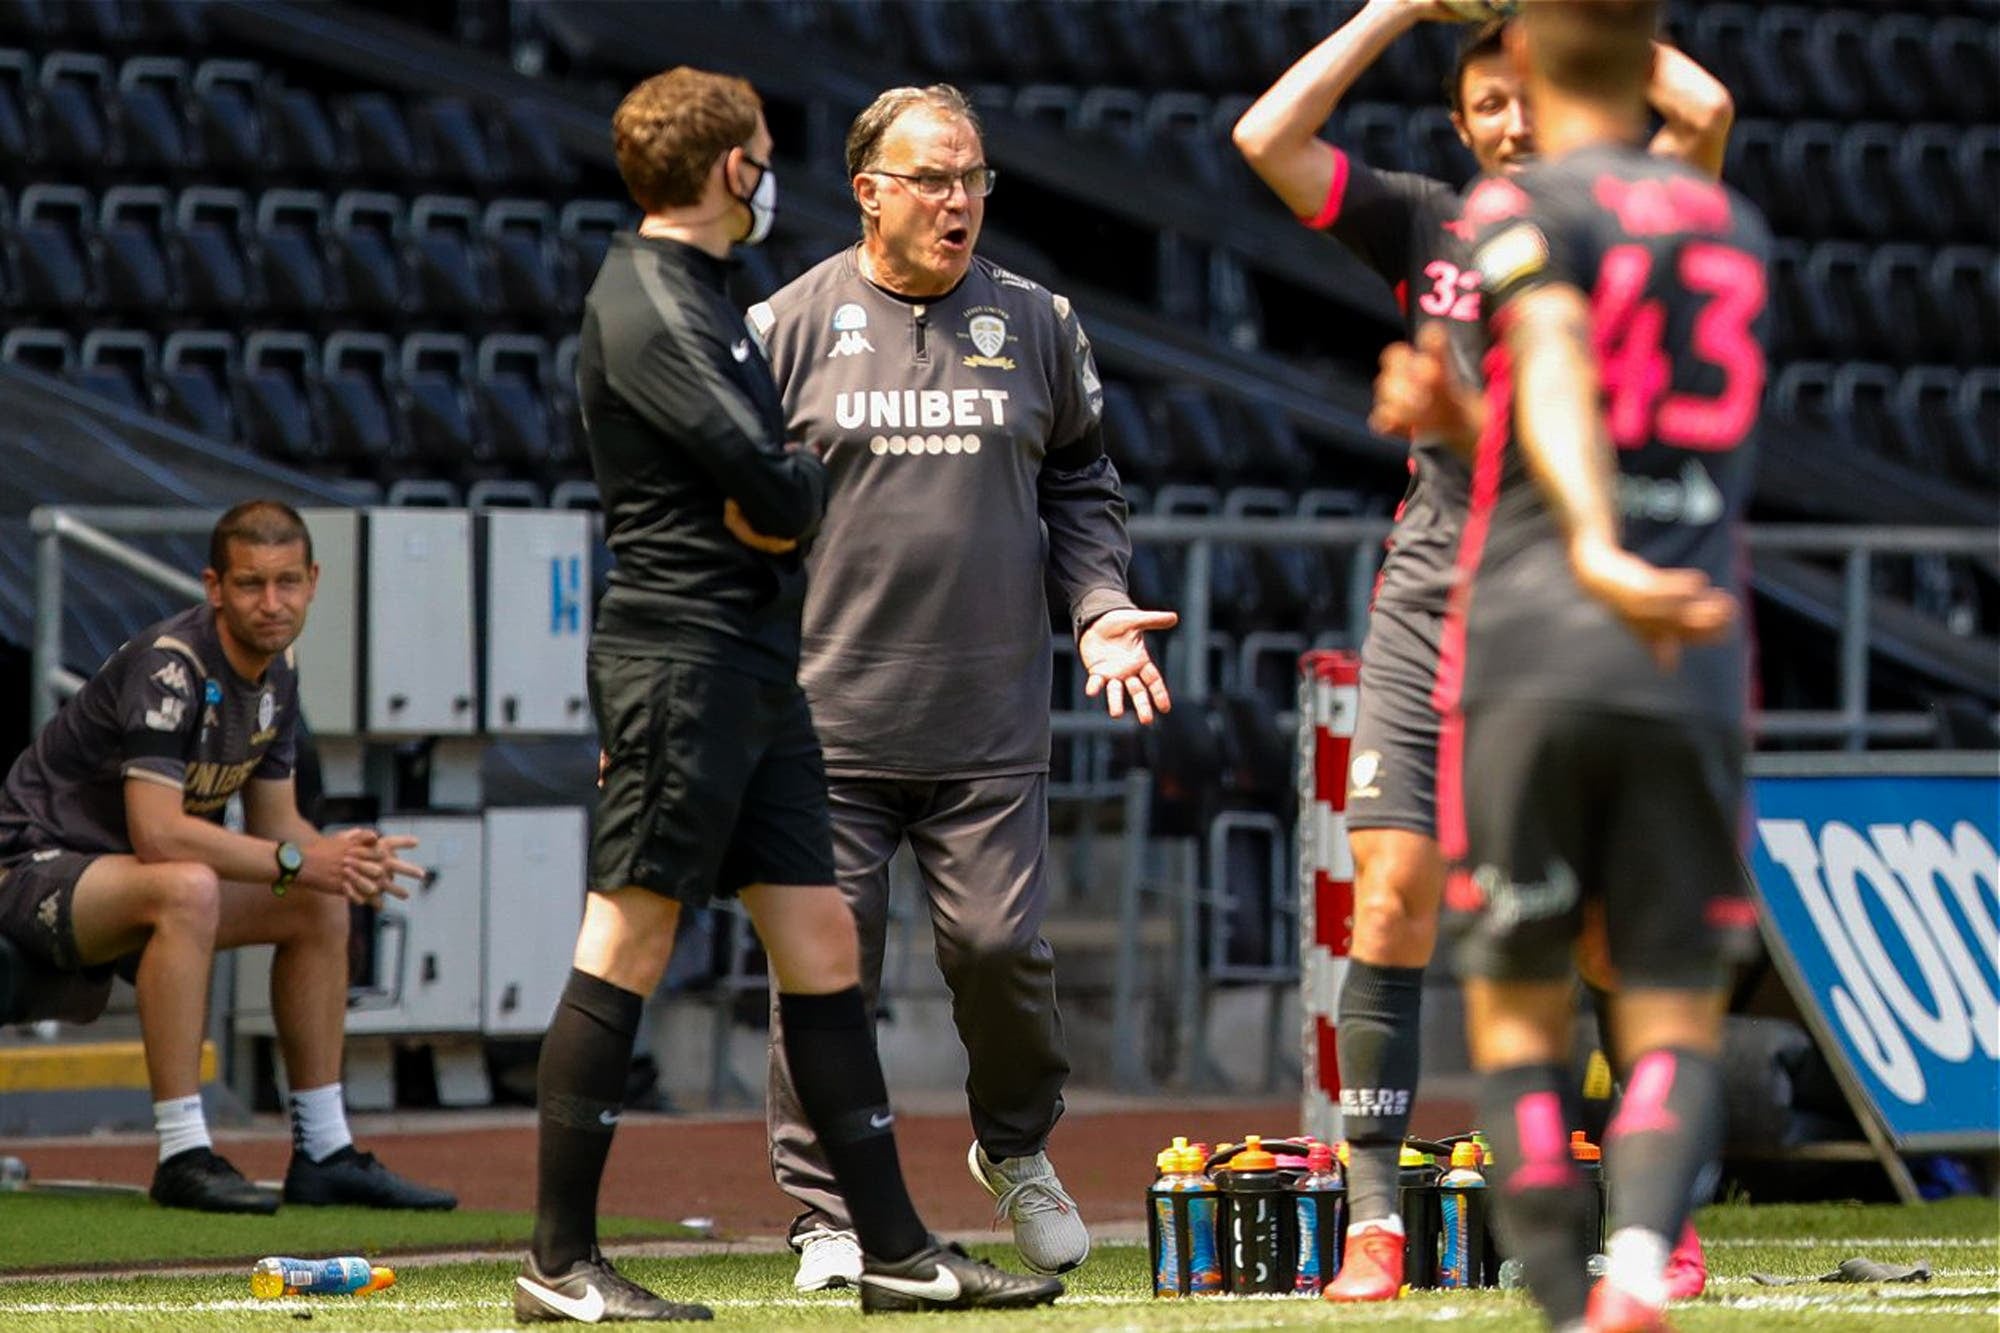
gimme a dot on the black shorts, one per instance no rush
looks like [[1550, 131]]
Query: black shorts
[[37, 905], [715, 781], [1569, 811], [1392, 765]]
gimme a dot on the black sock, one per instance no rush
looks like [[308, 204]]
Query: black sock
[[1379, 1013], [838, 1076], [1540, 1200], [579, 1089], [1663, 1141]]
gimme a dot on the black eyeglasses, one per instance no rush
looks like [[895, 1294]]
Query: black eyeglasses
[[936, 185]]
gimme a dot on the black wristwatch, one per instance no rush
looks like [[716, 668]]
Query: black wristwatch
[[290, 862]]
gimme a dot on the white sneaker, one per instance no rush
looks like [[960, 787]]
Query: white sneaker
[[827, 1259], [1048, 1231]]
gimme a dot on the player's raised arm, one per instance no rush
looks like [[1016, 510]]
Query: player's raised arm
[[1279, 135], [1697, 109]]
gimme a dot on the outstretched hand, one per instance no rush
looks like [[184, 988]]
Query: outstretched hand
[[1113, 651], [1418, 393], [1664, 607]]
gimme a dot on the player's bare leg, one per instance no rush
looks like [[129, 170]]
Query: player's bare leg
[[1398, 883]]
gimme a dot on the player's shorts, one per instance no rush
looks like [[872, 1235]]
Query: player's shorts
[[1570, 814], [37, 905], [714, 782], [1392, 764]]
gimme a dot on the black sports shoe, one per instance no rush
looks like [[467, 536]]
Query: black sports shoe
[[201, 1180], [353, 1177], [945, 1277], [591, 1291]]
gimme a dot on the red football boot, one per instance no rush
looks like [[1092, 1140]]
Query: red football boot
[[1687, 1267], [1611, 1310], [1373, 1268]]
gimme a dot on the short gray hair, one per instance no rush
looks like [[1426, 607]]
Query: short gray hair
[[864, 136]]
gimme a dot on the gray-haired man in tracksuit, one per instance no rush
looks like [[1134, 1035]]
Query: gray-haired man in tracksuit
[[957, 408]]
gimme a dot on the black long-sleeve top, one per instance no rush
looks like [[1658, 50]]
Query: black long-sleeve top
[[682, 414]]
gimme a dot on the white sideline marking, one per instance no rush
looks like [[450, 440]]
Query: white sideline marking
[[1878, 1242]]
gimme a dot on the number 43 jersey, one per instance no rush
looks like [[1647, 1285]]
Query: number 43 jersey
[[1673, 266]]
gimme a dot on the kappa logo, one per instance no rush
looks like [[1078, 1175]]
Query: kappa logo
[[173, 678], [167, 715], [1361, 775], [852, 342], [49, 910]]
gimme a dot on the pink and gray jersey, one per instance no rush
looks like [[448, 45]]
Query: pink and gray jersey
[[1406, 228], [1673, 265], [966, 474]]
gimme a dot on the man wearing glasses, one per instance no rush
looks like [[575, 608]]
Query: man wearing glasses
[[956, 406]]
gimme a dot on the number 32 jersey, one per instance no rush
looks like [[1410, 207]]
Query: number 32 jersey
[[1673, 265]]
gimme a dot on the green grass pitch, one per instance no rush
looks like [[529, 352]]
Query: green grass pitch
[[1960, 1239]]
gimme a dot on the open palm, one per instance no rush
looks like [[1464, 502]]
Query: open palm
[[1114, 652]]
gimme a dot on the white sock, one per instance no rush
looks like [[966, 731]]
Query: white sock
[[1636, 1264], [1393, 1224], [319, 1122], [181, 1125]]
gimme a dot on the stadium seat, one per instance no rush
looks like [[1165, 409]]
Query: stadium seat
[[1114, 114], [455, 136], [359, 385], [1128, 436], [300, 135], [1979, 427], [104, 23], [75, 91], [20, 140], [1141, 46], [1809, 154], [192, 389], [1837, 270], [1964, 54], [1978, 178], [1066, 37], [1926, 403], [1864, 396], [380, 138], [1267, 666], [453, 278], [292, 242], [1837, 74], [569, 449], [1927, 176], [1003, 40], [1721, 41], [1780, 52], [512, 395], [1792, 332], [52, 247], [1050, 105], [436, 403], [1199, 448], [1284, 574], [50, 351], [586, 227], [367, 252], [228, 116], [1374, 132], [1898, 290], [152, 120], [275, 394], [214, 229], [535, 157], [1965, 289], [1187, 499], [1898, 65], [1802, 398], [935, 38], [117, 365], [1869, 199], [131, 251], [358, 371], [1434, 146], [520, 235], [1272, 451], [1754, 166]]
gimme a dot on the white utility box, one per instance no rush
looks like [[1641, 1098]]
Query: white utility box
[[388, 648], [535, 585], [534, 905], [436, 961]]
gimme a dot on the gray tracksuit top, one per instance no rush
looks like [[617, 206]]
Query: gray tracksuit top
[[965, 464]]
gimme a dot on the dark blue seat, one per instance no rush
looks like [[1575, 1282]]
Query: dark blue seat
[[367, 252], [50, 351], [228, 116], [76, 89], [1965, 51], [118, 365], [448, 257], [152, 117], [300, 136], [586, 227], [192, 389], [438, 422], [358, 371], [275, 396], [133, 260], [1838, 271], [1926, 403], [456, 137], [1965, 290], [1128, 436], [52, 247], [20, 138], [379, 136], [215, 236], [1780, 54], [520, 234], [292, 247], [512, 395], [1898, 65], [1978, 455]]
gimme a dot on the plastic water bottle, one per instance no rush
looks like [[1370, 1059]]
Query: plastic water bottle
[[1204, 1254], [1165, 1227], [1417, 1196], [1255, 1196], [1589, 1159], [1320, 1198], [276, 1277], [1462, 1220]]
